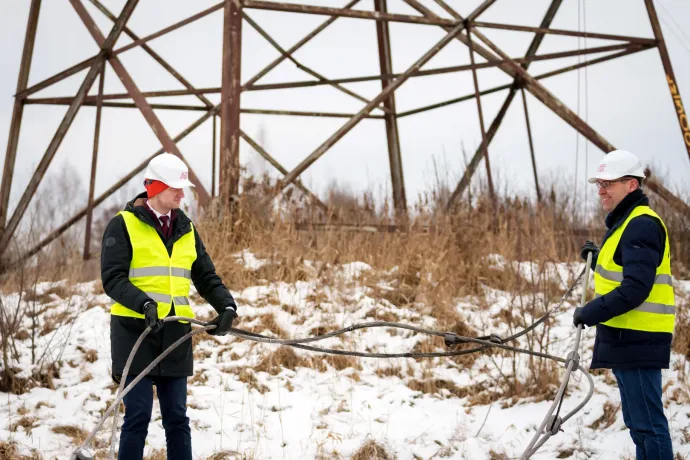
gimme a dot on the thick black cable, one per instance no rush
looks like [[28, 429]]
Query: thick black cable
[[486, 342]]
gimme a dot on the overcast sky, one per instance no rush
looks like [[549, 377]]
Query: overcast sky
[[628, 101]]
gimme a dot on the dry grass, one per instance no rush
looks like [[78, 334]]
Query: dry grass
[[225, 455], [282, 358], [608, 418], [90, 355], [76, 434], [156, 454], [423, 265], [493, 455], [371, 450], [26, 422], [268, 322], [389, 372], [44, 404], [9, 451], [681, 336], [248, 377], [435, 386]]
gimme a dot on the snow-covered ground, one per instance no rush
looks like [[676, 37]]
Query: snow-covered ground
[[327, 409]]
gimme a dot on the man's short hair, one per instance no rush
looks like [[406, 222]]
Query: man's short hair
[[638, 179]]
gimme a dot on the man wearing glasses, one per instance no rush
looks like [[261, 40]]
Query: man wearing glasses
[[634, 305]]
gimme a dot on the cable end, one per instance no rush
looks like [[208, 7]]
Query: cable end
[[573, 357], [554, 425]]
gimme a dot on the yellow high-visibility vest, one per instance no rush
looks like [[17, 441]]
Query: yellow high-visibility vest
[[657, 312], [166, 279]]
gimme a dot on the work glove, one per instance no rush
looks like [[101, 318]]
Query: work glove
[[223, 322], [577, 317], [151, 316], [588, 247]]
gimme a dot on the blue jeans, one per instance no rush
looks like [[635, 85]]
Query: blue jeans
[[643, 412], [172, 395]]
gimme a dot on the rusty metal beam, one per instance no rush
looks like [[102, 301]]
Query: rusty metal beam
[[531, 51], [229, 183], [533, 86], [121, 105], [570, 33], [57, 77], [297, 46], [670, 77], [446, 7], [484, 145], [327, 11], [94, 162], [299, 113], [483, 7], [196, 108], [665, 194], [509, 85], [153, 54], [213, 155], [436, 71], [392, 137], [323, 148], [18, 112], [268, 157], [167, 30], [626, 47], [531, 144], [114, 188], [65, 125], [144, 107], [547, 98], [298, 64]]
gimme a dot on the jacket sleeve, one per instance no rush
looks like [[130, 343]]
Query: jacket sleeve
[[207, 282], [642, 248], [116, 256]]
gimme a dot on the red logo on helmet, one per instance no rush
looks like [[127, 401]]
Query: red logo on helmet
[[183, 175], [601, 168]]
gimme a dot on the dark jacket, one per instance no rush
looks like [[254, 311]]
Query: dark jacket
[[116, 255], [639, 252]]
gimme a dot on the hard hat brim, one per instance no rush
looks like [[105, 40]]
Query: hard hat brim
[[604, 176], [181, 183]]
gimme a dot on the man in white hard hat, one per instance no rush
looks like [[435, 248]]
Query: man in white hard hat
[[151, 252], [634, 305]]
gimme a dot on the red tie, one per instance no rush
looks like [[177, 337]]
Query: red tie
[[164, 225]]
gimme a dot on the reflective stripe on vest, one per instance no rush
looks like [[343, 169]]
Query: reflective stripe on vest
[[164, 278], [657, 312], [160, 271], [618, 276]]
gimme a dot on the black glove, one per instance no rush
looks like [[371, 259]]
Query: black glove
[[223, 322], [588, 247], [577, 317], [151, 316]]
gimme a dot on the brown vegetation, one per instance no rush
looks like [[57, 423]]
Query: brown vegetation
[[371, 450]]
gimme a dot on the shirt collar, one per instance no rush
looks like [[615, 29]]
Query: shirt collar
[[158, 214]]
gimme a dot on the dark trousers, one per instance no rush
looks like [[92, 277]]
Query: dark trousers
[[172, 395], [643, 412]]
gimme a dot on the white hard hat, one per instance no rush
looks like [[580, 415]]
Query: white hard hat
[[617, 164], [170, 170]]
